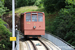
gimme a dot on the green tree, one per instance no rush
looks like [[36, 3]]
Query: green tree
[[18, 3], [39, 3], [54, 5], [2, 8], [70, 2], [3, 1], [21, 3], [8, 4]]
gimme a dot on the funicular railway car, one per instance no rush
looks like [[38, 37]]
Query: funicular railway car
[[32, 24]]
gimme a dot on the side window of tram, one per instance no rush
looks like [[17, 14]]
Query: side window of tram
[[40, 17], [34, 18], [28, 17]]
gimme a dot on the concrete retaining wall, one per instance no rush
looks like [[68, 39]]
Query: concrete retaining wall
[[58, 42]]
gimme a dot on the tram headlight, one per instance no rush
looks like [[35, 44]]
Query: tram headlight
[[34, 27]]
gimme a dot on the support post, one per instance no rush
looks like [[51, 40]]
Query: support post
[[13, 23], [17, 38]]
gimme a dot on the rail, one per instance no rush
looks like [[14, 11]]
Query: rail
[[33, 45], [44, 45], [40, 42]]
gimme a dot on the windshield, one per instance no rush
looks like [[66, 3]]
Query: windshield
[[34, 18]]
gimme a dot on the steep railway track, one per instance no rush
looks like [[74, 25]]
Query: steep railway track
[[44, 47], [44, 44], [31, 44]]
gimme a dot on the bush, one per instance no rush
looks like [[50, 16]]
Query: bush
[[5, 34]]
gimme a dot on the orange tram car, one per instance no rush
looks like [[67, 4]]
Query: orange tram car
[[32, 24]]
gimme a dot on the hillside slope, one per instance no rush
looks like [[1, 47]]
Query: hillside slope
[[5, 34]]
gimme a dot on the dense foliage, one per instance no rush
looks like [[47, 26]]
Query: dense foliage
[[39, 3], [21, 3], [5, 34], [53, 5], [8, 4], [64, 25], [2, 8]]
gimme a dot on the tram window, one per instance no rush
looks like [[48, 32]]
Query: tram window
[[34, 18], [40, 14], [28, 18], [28, 13], [40, 17]]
